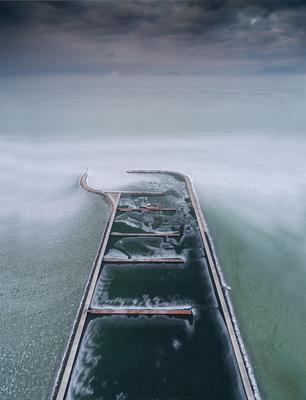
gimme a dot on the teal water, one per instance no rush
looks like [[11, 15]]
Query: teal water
[[242, 141]]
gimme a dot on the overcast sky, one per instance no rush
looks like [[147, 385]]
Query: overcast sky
[[152, 37]]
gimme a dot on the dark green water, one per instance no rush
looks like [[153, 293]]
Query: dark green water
[[154, 358]]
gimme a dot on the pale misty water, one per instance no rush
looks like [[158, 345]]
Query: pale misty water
[[243, 143]]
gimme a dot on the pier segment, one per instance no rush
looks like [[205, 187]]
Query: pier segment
[[146, 234], [146, 209], [73, 345], [143, 260], [140, 311]]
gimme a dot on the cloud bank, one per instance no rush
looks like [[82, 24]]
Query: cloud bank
[[152, 37]]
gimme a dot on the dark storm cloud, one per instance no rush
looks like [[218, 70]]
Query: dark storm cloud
[[166, 16], [108, 33]]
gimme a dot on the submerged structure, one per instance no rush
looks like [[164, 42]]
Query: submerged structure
[[155, 321]]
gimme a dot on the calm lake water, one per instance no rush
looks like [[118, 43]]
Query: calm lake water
[[241, 140]]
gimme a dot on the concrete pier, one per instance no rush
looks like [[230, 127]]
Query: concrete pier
[[146, 209], [135, 193], [85, 310], [143, 260], [151, 234], [141, 311]]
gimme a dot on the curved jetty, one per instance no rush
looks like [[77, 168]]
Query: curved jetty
[[155, 321]]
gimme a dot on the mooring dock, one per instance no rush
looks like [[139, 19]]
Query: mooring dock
[[154, 322], [141, 311]]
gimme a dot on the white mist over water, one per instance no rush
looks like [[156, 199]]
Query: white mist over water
[[245, 150]]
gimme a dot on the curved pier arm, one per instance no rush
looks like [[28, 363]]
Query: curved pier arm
[[244, 365], [66, 366], [109, 198]]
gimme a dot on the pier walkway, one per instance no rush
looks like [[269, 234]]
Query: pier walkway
[[155, 321]]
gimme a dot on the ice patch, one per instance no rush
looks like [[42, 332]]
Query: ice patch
[[176, 344]]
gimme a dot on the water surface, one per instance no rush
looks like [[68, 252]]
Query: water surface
[[242, 141]]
